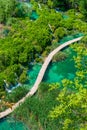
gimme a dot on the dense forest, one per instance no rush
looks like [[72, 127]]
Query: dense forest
[[29, 31]]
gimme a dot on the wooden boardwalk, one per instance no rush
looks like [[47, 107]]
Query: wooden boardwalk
[[39, 77]]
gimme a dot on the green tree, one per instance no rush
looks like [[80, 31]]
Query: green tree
[[23, 77], [83, 7], [60, 32], [7, 9]]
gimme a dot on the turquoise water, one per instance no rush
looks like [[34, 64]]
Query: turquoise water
[[34, 15], [31, 14], [65, 16], [56, 71], [12, 124], [32, 74], [70, 37], [60, 70]]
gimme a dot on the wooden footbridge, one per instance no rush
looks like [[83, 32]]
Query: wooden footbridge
[[39, 77]]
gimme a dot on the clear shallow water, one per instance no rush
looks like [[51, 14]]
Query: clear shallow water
[[12, 124], [33, 73], [56, 71], [34, 15], [60, 70]]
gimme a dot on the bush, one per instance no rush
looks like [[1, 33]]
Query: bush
[[7, 9], [60, 32], [16, 94], [23, 77]]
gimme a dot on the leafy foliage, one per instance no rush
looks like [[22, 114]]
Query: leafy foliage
[[6, 9], [16, 94]]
